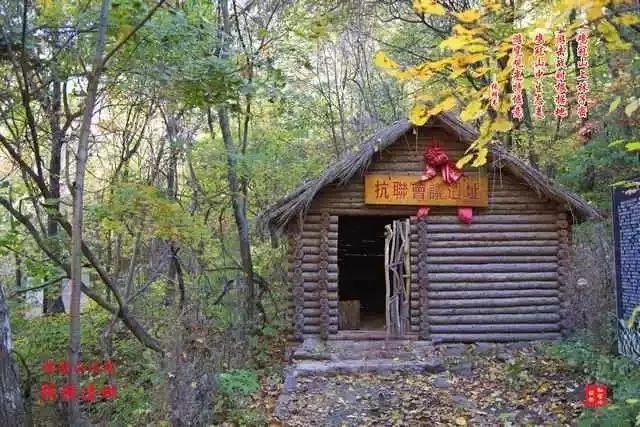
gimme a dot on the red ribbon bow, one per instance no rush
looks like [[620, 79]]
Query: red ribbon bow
[[436, 157]]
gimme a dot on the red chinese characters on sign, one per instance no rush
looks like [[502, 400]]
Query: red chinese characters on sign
[[108, 367], [49, 391], [539, 69], [48, 367], [517, 77], [494, 95], [560, 99], [68, 392], [94, 367], [595, 395], [582, 87], [89, 393], [108, 392], [63, 367]]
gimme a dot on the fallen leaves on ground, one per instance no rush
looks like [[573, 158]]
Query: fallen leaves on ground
[[520, 388]]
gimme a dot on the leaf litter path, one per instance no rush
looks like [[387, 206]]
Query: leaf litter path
[[500, 385]]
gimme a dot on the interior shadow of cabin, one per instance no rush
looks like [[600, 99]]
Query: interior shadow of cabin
[[361, 272]]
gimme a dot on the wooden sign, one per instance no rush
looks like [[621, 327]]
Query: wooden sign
[[472, 190]]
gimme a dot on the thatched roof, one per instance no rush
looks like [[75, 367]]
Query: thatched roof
[[298, 201]]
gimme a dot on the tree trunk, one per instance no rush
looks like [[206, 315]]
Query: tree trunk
[[54, 305], [239, 204], [172, 193], [11, 408], [238, 198], [78, 205]]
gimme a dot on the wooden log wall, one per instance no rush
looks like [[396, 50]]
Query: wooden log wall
[[500, 278], [422, 259], [315, 282], [415, 311], [296, 258], [504, 288], [323, 275], [564, 254]]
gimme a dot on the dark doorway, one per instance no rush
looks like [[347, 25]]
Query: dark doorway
[[361, 266]]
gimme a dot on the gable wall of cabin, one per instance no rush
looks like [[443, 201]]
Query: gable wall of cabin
[[500, 278]]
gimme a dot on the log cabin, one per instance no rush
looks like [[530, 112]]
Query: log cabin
[[379, 248]]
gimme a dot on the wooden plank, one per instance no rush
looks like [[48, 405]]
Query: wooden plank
[[333, 303], [499, 250], [315, 250], [495, 318], [491, 259], [484, 327], [408, 190], [349, 314], [494, 302], [488, 277], [491, 228], [493, 244], [493, 268], [494, 236], [526, 309], [494, 337], [473, 286], [504, 293], [495, 219]]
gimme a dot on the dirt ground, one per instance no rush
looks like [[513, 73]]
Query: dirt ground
[[508, 387]]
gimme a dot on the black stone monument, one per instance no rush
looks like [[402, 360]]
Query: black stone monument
[[626, 241]]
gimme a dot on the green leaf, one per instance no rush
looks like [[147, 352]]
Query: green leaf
[[633, 146], [616, 142], [614, 104], [463, 161], [481, 159], [633, 106], [472, 111], [631, 323], [501, 124]]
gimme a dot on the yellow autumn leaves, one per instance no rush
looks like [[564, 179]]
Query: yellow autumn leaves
[[468, 16], [381, 60], [421, 113], [454, 65], [431, 7], [424, 71], [476, 51], [428, 7], [472, 111], [467, 43]]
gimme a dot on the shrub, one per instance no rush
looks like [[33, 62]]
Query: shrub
[[237, 388], [620, 374], [590, 290]]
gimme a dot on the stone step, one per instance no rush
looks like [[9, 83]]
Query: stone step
[[362, 350], [310, 368], [377, 344], [360, 355]]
